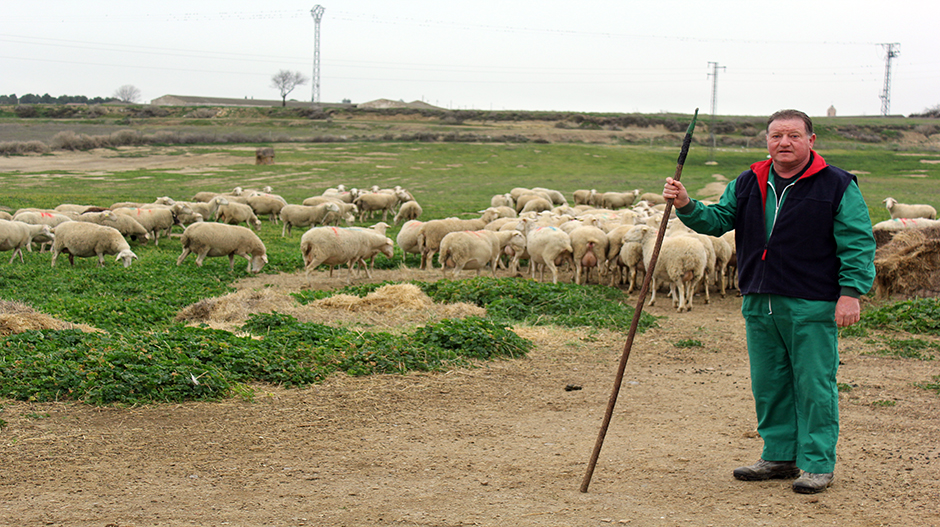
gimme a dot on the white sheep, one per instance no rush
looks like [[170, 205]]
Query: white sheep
[[334, 246], [618, 200], [85, 240], [547, 247], [372, 202], [589, 251], [14, 235], [903, 210], [407, 237], [585, 197], [631, 257], [126, 225], [537, 204], [681, 263], [270, 204], [38, 217], [475, 249], [233, 213], [410, 210], [206, 209], [884, 231], [502, 200], [305, 216], [219, 239], [155, 220], [556, 197], [431, 233]]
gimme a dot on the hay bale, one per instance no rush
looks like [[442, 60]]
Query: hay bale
[[386, 298], [264, 156], [909, 265]]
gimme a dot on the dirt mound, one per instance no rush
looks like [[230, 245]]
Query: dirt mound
[[17, 318]]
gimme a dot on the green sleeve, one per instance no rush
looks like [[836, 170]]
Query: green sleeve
[[715, 219], [855, 243]]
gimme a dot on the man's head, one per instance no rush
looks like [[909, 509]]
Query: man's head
[[790, 140]]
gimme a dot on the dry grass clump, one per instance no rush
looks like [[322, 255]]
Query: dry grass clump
[[909, 265], [17, 318], [393, 308]]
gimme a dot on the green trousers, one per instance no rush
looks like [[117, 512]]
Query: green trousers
[[794, 355]]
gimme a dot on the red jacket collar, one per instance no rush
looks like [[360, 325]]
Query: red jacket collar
[[762, 170]]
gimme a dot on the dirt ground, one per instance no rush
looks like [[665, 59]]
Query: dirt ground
[[503, 444]]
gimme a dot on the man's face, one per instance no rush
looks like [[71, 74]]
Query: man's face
[[788, 143]]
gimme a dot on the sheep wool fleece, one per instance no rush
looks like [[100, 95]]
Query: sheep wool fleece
[[790, 284]]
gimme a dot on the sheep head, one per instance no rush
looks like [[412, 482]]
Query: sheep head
[[126, 256]]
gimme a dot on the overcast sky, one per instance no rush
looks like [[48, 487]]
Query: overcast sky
[[594, 55]]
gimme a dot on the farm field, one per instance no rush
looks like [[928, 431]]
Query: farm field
[[502, 443]]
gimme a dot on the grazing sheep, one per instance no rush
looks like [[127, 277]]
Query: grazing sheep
[[126, 225], [548, 247], [617, 200], [432, 232], [536, 205], [206, 209], [502, 200], [377, 201], [522, 200], [652, 198], [205, 196], [408, 237], [305, 216], [631, 257], [14, 235], [85, 240], [903, 210], [410, 210], [681, 263], [270, 204], [585, 197], [233, 213], [35, 217], [220, 239], [78, 209], [154, 221], [589, 251], [475, 249], [334, 246]]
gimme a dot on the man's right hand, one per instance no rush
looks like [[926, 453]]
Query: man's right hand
[[676, 191]]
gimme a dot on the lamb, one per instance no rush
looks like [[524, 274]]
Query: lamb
[[334, 246], [548, 247], [410, 210], [432, 232], [233, 213], [154, 221], [305, 216], [85, 240], [475, 249], [589, 245], [903, 210], [681, 263], [14, 235], [270, 204], [219, 239]]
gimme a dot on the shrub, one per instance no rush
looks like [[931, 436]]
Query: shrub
[[23, 147], [25, 111]]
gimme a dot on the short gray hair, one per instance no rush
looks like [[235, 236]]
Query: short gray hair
[[792, 114]]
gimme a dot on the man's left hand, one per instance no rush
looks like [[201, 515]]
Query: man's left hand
[[848, 311]]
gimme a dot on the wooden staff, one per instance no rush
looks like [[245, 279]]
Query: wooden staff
[[686, 143]]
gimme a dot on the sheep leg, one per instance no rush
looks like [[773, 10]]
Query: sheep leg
[[183, 256], [653, 292]]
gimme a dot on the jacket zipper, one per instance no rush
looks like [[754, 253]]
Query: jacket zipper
[[777, 202]]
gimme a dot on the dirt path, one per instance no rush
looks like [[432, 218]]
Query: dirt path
[[502, 445]]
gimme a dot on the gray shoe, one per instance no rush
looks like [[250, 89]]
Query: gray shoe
[[810, 483], [767, 470]]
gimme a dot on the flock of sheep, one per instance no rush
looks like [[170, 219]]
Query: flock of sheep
[[603, 237]]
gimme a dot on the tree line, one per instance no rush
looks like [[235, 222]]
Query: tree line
[[31, 98]]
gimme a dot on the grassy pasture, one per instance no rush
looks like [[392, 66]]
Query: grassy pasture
[[446, 178]]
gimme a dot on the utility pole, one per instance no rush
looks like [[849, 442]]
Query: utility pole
[[892, 50], [317, 13], [711, 125]]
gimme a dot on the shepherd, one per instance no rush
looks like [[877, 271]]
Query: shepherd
[[805, 253]]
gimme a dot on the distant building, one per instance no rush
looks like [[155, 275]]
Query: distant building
[[831, 112]]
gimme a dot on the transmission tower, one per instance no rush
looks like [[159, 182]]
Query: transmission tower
[[317, 13], [892, 50], [711, 126]]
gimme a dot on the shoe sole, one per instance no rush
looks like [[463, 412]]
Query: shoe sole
[[746, 476], [800, 489]]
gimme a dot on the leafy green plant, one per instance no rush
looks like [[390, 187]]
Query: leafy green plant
[[882, 403], [933, 386], [843, 387], [917, 315], [908, 349]]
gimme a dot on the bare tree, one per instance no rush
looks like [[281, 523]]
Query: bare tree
[[127, 93], [285, 81]]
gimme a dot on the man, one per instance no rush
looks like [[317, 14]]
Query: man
[[805, 255]]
